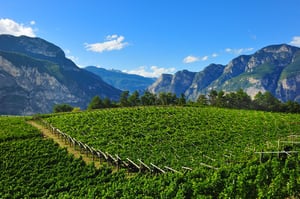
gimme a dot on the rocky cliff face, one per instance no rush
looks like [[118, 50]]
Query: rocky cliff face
[[177, 83], [274, 68], [35, 75], [288, 86]]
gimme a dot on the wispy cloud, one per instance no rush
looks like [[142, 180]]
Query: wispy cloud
[[238, 51], [214, 55], [190, 59], [153, 71], [295, 41], [112, 42], [9, 26], [205, 58], [32, 22]]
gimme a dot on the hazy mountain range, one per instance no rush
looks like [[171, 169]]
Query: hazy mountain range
[[121, 80], [35, 75]]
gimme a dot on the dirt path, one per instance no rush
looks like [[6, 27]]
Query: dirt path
[[47, 133]]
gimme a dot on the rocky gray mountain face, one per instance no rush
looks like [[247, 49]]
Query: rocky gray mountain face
[[35, 75], [274, 68], [122, 81]]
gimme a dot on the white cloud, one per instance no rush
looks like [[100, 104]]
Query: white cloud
[[112, 42], [8, 26], [205, 58], [32, 22], [228, 50], [111, 37], [214, 55], [190, 59], [154, 71], [295, 41], [238, 51]]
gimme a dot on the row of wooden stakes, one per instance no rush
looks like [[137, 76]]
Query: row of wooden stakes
[[115, 161]]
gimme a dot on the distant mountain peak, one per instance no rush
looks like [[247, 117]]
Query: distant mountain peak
[[280, 48], [30, 45], [121, 80]]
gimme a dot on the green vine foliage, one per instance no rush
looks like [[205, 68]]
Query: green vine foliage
[[34, 167]]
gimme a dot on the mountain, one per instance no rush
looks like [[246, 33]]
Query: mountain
[[123, 81], [35, 75], [177, 83], [275, 68]]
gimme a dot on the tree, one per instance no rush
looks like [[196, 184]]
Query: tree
[[212, 97], [107, 103], [162, 98], [62, 108], [171, 98], [167, 98], [291, 107], [267, 102], [134, 99], [96, 103], [181, 100], [244, 100], [202, 100], [124, 99], [220, 101], [148, 99], [231, 100]]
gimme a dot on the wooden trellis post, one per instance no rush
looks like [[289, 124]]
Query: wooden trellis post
[[143, 167], [156, 169]]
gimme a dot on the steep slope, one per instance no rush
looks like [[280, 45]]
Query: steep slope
[[203, 79], [274, 68], [289, 81], [177, 83], [35, 75], [122, 81], [258, 72]]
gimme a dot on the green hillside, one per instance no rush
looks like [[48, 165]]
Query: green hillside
[[219, 146]]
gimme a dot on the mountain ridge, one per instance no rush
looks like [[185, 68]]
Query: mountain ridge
[[274, 68], [36, 75]]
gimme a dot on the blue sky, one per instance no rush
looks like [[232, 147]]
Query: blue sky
[[150, 37]]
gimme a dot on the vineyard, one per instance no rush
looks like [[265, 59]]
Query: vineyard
[[178, 137], [229, 153]]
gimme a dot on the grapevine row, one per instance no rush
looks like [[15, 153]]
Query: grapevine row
[[112, 160]]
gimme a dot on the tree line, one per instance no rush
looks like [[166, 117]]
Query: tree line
[[241, 100], [236, 100]]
